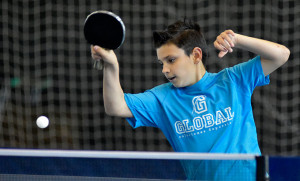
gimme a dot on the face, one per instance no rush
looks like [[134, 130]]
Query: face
[[177, 67]]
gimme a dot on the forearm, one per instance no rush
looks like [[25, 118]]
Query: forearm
[[266, 49], [113, 94], [273, 55]]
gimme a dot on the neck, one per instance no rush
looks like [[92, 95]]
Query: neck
[[200, 71]]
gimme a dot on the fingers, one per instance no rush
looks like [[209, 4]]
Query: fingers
[[222, 45], [105, 56], [225, 42], [95, 54], [229, 35], [99, 53], [98, 64], [222, 54]]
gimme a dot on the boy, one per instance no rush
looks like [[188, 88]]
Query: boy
[[197, 111]]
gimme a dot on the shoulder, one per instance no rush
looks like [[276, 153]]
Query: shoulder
[[242, 68], [163, 87], [161, 91], [156, 92], [254, 62], [248, 74]]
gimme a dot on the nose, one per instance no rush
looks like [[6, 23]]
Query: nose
[[165, 69]]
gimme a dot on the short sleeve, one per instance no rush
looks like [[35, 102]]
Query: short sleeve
[[249, 75], [144, 107]]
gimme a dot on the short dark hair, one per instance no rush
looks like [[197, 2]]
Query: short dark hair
[[184, 34]]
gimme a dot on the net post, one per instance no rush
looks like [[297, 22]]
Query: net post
[[262, 168]]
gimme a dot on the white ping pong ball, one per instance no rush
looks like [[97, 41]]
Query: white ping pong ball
[[42, 122]]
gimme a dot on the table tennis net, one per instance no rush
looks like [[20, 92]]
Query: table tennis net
[[106, 165]]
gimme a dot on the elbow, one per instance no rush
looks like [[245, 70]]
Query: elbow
[[110, 112], [285, 54], [115, 111], [115, 106]]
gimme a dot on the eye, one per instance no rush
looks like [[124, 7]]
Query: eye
[[171, 60], [160, 62]]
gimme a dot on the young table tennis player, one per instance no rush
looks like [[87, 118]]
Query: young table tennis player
[[197, 111]]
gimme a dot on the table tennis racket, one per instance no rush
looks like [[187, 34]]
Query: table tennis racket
[[105, 29]]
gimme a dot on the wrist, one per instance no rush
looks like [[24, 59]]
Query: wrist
[[111, 66], [237, 40]]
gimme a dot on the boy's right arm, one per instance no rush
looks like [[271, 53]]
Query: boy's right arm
[[113, 95]]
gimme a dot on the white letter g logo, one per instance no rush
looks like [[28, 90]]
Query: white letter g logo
[[199, 104]]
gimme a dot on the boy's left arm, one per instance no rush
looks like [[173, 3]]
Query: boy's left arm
[[272, 55]]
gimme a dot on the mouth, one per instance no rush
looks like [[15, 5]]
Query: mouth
[[171, 78]]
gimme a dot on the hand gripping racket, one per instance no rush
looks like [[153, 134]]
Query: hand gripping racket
[[105, 29]]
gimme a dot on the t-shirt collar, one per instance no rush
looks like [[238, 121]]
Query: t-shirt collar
[[200, 85]]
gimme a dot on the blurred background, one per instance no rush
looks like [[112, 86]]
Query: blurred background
[[46, 69]]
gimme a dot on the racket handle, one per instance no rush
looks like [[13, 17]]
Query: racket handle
[[98, 64]]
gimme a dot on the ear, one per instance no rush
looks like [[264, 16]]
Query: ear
[[197, 55]]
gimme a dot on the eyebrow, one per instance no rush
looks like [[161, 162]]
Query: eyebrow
[[167, 57]]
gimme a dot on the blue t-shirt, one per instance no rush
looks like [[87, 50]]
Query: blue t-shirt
[[212, 116]]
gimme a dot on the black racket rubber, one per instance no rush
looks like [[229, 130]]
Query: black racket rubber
[[105, 29]]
